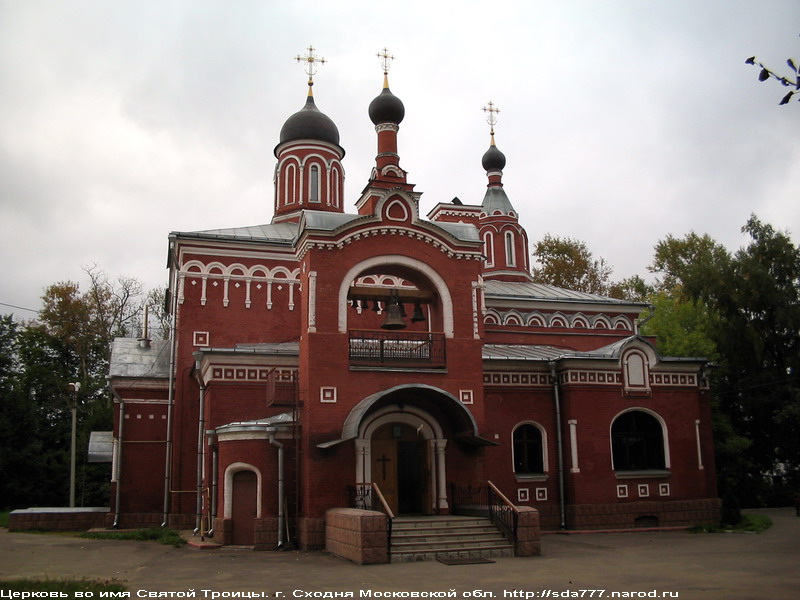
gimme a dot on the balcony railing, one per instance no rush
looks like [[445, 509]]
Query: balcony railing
[[377, 348]]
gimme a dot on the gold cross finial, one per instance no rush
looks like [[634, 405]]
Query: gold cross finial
[[311, 61], [492, 111], [386, 60]]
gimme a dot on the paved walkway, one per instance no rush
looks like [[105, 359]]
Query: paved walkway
[[729, 566]]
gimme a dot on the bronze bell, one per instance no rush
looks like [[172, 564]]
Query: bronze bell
[[418, 314], [393, 320]]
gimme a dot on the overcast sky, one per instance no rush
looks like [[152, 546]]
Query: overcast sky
[[621, 121]]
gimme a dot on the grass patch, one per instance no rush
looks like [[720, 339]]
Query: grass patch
[[169, 537], [4, 518], [749, 524], [68, 586]]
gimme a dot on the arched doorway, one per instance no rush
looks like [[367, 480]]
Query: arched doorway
[[400, 466], [402, 449], [244, 507]]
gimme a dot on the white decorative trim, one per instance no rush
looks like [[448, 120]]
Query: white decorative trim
[[541, 494], [466, 396], [663, 489], [523, 495], [622, 490], [643, 490], [401, 204], [517, 379], [573, 445], [312, 301], [201, 338], [328, 394]]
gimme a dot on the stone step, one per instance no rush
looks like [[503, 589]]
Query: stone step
[[442, 536], [417, 539], [439, 527], [447, 546], [448, 522], [499, 552]]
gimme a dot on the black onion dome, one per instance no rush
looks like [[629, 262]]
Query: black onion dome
[[309, 123], [493, 159], [386, 108]]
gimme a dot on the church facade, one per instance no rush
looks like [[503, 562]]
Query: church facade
[[328, 352]]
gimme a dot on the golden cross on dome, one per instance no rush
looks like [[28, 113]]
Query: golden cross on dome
[[492, 118], [311, 61], [386, 60]]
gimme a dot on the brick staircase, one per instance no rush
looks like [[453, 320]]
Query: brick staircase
[[429, 538]]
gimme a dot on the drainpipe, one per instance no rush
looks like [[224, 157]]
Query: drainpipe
[[281, 516], [173, 347], [118, 466], [560, 447], [641, 322], [214, 467], [201, 421]]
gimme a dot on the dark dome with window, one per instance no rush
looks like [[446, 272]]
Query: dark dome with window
[[309, 123]]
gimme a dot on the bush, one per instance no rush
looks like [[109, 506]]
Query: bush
[[748, 523], [69, 586], [169, 537]]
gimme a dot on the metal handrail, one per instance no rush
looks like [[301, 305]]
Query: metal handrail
[[385, 505], [504, 514], [488, 500], [363, 498]]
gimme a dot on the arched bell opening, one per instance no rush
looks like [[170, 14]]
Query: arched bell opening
[[373, 280], [393, 298], [397, 312]]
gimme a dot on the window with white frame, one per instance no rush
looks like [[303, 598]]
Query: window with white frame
[[637, 442], [511, 255], [488, 248], [528, 450], [313, 184]]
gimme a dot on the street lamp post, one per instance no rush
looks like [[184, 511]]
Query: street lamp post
[[74, 388]]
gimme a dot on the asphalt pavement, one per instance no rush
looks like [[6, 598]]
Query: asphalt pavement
[[673, 564]]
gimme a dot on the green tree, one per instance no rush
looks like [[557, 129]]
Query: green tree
[[569, 264], [70, 342], [749, 304]]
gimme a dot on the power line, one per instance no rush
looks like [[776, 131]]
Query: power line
[[19, 307]]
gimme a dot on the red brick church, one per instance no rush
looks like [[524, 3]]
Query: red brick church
[[347, 355]]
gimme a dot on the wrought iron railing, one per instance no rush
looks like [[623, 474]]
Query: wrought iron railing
[[368, 496], [397, 348], [486, 500]]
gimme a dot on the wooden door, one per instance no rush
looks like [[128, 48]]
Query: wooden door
[[243, 510], [384, 469], [399, 468]]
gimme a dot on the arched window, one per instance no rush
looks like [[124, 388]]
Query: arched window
[[511, 255], [637, 442], [528, 450], [335, 187], [289, 184], [488, 248], [313, 184]]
